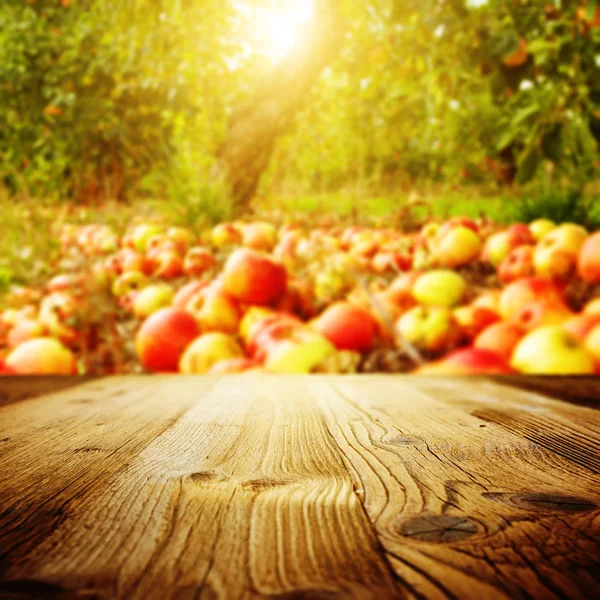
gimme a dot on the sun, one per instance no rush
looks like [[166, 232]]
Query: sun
[[276, 29]]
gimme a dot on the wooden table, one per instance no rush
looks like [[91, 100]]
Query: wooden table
[[299, 487]]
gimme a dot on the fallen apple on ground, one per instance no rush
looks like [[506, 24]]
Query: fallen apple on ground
[[468, 295]]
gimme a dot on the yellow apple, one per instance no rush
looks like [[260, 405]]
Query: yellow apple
[[550, 350], [440, 287]]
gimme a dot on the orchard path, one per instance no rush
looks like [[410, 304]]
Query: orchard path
[[287, 487]]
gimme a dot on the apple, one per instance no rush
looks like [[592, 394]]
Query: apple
[[25, 330], [540, 227], [439, 287], [592, 307], [163, 337], [454, 223], [551, 350], [128, 282], [59, 312], [197, 261], [580, 325], [301, 352], [540, 312], [152, 298], [588, 262], [187, 292], [264, 333], [501, 337], [42, 356], [215, 310], [253, 319], [259, 236], [498, 245], [390, 262], [169, 265], [130, 260], [518, 264], [474, 319], [225, 234], [592, 344], [254, 278], [430, 328], [208, 350], [348, 327], [298, 300], [182, 237], [556, 254], [468, 361], [522, 291], [458, 247], [66, 282], [141, 235]]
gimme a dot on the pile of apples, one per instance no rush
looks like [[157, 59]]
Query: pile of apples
[[462, 296]]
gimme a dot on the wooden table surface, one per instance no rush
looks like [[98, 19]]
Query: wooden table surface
[[299, 487]]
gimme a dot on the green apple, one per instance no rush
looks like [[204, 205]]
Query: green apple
[[459, 246], [207, 350], [301, 352], [152, 298], [431, 328], [550, 350], [142, 234], [556, 254], [439, 287], [540, 227]]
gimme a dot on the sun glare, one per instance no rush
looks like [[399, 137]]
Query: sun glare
[[276, 30]]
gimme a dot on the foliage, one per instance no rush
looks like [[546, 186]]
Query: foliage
[[114, 98]]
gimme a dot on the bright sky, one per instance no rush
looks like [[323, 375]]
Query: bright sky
[[276, 29]]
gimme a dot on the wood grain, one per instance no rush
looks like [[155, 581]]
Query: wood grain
[[298, 487]]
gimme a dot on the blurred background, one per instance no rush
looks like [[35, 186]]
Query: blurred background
[[211, 106]]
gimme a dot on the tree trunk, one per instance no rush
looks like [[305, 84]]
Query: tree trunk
[[255, 126]]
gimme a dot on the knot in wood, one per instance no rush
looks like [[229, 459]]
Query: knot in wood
[[535, 501], [438, 528], [207, 476], [264, 483]]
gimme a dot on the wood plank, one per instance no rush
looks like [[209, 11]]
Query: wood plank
[[465, 508], [245, 494]]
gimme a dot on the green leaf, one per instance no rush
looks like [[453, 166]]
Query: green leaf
[[527, 165]]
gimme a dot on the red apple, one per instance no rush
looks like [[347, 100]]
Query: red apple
[[539, 312], [520, 292], [468, 361], [253, 278], [348, 327], [197, 261], [187, 292], [588, 263], [501, 338], [518, 264], [169, 265], [163, 337], [474, 319]]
